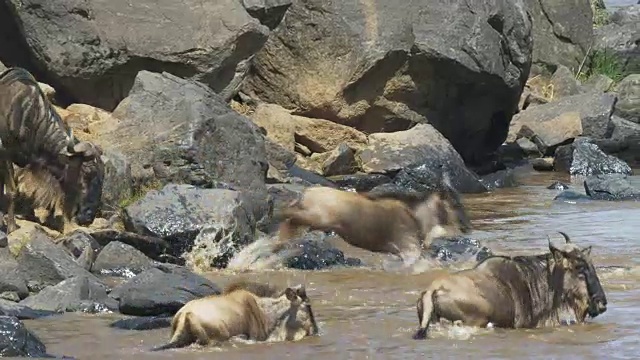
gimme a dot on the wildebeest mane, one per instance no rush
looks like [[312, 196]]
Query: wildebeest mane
[[532, 278]]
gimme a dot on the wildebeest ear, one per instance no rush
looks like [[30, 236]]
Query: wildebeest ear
[[291, 294], [587, 251]]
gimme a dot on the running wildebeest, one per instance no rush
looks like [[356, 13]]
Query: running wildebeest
[[56, 170], [285, 316], [517, 291], [400, 224]]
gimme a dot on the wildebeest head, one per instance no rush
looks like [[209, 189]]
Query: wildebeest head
[[301, 320], [442, 213], [581, 289], [83, 181]]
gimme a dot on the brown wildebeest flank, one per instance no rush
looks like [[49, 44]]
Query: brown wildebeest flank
[[516, 292], [399, 224]]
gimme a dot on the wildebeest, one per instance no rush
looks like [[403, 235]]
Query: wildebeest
[[55, 169], [286, 316], [517, 291], [402, 224]]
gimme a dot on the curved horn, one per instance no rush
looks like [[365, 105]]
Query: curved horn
[[566, 237], [71, 142]]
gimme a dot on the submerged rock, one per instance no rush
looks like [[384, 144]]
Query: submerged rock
[[583, 157], [315, 253], [162, 290], [571, 196], [612, 187], [143, 323], [500, 179], [558, 185], [457, 249]]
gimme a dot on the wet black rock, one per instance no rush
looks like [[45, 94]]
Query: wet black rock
[[161, 290], [178, 214], [360, 182], [118, 259], [307, 177], [571, 196], [143, 323], [315, 253], [583, 157], [17, 341], [558, 185], [76, 294], [22, 312], [612, 187], [425, 178], [457, 248]]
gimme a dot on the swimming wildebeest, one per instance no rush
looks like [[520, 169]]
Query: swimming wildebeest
[[55, 169], [286, 316], [401, 224], [516, 292]]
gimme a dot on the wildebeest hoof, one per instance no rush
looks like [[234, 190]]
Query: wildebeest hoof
[[421, 334]]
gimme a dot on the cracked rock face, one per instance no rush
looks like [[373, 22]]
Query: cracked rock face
[[94, 49], [377, 66], [562, 31]]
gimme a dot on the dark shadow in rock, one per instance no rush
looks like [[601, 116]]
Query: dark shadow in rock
[[143, 323]]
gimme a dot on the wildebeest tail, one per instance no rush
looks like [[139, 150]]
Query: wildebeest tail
[[182, 339], [424, 307]]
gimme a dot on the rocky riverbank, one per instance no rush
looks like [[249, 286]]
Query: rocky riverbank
[[212, 124]]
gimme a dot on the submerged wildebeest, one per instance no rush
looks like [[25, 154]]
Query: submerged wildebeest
[[55, 169], [282, 316], [402, 224], [516, 292]]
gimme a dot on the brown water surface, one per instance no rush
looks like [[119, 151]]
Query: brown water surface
[[367, 314]]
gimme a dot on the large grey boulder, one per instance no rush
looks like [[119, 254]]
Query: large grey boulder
[[628, 105], [562, 31], [176, 130], [181, 213], [381, 66], [92, 49]]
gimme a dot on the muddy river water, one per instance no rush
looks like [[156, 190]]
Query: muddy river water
[[368, 314]]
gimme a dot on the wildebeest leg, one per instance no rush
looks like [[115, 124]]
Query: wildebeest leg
[[11, 190]]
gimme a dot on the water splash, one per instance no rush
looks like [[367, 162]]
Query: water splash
[[259, 255]]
